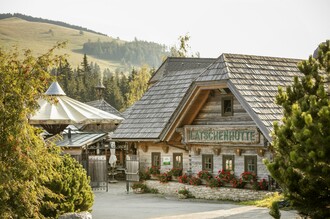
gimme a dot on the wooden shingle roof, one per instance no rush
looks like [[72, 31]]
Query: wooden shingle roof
[[105, 106], [150, 115], [172, 64], [254, 81]]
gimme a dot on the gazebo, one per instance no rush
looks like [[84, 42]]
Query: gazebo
[[57, 111]]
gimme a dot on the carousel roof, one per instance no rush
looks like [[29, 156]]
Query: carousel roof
[[61, 109]]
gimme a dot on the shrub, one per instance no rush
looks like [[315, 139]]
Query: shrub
[[213, 183], [154, 170], [195, 181], [274, 211], [153, 191], [226, 176], [139, 185], [249, 177], [144, 175], [176, 172], [184, 191], [183, 179], [165, 177], [261, 185], [204, 174], [72, 185], [238, 183]]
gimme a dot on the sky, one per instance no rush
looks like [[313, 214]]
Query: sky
[[280, 28]]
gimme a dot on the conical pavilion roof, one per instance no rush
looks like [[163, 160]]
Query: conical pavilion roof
[[62, 109]]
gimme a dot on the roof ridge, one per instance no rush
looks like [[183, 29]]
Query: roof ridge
[[259, 56], [225, 63]]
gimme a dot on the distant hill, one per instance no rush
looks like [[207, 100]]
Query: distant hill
[[40, 34], [41, 20]]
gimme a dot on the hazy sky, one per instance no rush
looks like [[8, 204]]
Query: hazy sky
[[284, 28]]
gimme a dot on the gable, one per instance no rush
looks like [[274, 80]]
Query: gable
[[212, 111]]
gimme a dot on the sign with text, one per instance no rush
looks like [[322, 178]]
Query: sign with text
[[166, 160], [216, 134]]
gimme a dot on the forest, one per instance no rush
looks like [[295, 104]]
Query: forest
[[121, 90], [128, 53]]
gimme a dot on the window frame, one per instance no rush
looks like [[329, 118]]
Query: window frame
[[204, 157], [175, 162], [226, 157], [255, 159], [153, 154], [223, 99]]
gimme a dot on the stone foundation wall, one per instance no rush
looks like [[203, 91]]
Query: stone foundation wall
[[203, 192]]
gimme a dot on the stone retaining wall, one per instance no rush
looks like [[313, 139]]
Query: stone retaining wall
[[204, 192]]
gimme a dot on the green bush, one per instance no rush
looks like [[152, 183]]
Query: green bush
[[184, 179], [72, 186], [176, 172], [165, 177], [139, 185], [274, 211], [195, 181], [205, 175], [213, 183], [144, 175], [154, 170], [153, 191]]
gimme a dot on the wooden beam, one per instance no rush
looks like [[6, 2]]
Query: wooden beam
[[196, 107]]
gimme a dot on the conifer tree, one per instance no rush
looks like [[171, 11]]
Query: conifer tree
[[301, 141], [72, 187]]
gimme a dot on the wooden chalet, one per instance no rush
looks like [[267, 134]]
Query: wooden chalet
[[208, 114]]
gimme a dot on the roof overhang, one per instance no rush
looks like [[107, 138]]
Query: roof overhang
[[136, 139], [185, 105], [196, 88], [250, 111]]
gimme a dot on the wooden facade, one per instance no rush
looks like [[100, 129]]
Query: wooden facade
[[217, 116]]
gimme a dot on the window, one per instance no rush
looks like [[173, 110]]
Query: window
[[250, 164], [227, 106], [177, 160], [207, 162], [155, 159], [228, 162]]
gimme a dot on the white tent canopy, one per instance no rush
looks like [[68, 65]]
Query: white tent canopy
[[65, 110]]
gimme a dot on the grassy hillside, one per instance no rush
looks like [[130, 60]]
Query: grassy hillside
[[39, 37]]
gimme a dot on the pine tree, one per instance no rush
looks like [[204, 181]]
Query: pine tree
[[301, 141], [72, 186]]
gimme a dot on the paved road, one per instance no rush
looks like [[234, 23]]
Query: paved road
[[116, 203]]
